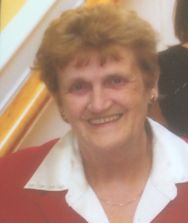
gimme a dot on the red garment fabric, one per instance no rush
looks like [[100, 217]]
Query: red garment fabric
[[185, 138], [177, 210], [18, 205]]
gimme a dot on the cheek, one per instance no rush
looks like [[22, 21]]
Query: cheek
[[133, 98], [74, 107]]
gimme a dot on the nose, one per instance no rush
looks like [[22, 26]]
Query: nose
[[99, 100]]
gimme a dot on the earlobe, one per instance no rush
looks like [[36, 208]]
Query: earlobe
[[153, 99], [154, 95]]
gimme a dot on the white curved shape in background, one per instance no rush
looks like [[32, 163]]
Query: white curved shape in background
[[20, 40]]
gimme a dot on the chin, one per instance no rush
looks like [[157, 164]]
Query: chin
[[108, 143]]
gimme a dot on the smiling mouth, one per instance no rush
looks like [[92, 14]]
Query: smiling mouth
[[104, 120]]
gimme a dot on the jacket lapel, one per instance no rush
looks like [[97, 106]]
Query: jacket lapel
[[177, 209], [54, 208]]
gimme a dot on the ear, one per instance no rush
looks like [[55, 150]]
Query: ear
[[154, 94], [63, 113], [154, 91], [61, 109]]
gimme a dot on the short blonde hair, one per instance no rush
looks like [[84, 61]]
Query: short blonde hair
[[99, 27], [94, 2]]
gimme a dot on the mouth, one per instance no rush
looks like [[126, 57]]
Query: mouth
[[104, 120]]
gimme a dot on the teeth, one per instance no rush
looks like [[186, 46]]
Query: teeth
[[104, 120]]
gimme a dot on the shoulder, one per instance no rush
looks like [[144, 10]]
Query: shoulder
[[17, 166], [171, 51], [167, 55], [173, 147], [173, 61], [170, 142], [176, 210]]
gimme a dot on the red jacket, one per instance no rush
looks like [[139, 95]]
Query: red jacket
[[18, 205]]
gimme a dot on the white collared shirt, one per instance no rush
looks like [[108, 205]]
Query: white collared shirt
[[62, 170]]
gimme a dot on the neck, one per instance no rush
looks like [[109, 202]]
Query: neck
[[124, 164], [120, 178]]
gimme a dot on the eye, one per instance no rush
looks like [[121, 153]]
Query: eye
[[115, 81], [79, 87]]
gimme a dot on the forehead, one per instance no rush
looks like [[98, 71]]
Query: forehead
[[102, 55], [107, 60]]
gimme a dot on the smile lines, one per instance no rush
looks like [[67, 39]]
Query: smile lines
[[104, 120]]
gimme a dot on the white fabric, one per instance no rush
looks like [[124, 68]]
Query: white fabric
[[62, 169]]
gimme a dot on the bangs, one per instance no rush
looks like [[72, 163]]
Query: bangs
[[102, 54]]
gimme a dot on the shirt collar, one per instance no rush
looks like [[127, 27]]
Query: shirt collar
[[62, 169], [57, 171], [170, 161]]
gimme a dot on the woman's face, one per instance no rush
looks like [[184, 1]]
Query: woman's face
[[106, 105]]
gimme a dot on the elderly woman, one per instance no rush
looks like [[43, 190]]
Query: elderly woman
[[115, 165]]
